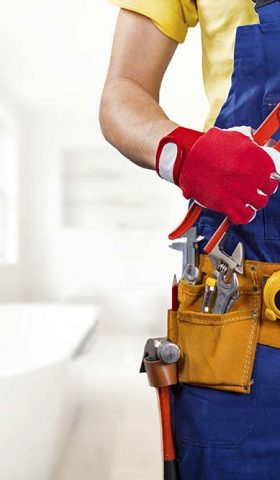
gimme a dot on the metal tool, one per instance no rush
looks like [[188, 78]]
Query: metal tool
[[233, 299], [209, 294], [167, 351], [189, 249], [225, 268], [270, 125], [228, 263], [227, 293], [160, 349]]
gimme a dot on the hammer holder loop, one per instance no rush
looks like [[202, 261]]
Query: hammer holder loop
[[160, 374]]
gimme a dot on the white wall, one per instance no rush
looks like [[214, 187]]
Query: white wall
[[11, 122], [117, 268], [129, 273]]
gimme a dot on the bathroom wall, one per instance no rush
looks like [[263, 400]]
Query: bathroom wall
[[121, 257], [122, 261], [11, 116]]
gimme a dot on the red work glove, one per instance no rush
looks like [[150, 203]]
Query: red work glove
[[224, 170]]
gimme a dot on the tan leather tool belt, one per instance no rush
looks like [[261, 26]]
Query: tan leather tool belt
[[218, 350]]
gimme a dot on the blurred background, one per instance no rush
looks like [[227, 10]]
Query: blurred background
[[86, 272]]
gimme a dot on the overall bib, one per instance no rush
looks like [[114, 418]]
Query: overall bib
[[225, 435]]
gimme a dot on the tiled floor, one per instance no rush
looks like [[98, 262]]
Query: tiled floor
[[117, 435]]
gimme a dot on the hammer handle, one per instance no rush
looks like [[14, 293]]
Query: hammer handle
[[168, 447]]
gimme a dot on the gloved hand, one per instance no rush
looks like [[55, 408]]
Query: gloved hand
[[224, 170]]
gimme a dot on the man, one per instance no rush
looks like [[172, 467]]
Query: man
[[220, 434]]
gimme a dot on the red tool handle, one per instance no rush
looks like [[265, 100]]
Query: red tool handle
[[191, 217], [261, 136], [168, 447]]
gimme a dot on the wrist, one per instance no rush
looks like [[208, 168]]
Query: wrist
[[172, 152]]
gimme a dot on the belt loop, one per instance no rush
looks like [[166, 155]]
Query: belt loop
[[254, 276]]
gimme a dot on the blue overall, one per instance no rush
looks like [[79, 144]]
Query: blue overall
[[224, 435]]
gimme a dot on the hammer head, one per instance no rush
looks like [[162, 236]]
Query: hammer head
[[151, 351], [160, 349]]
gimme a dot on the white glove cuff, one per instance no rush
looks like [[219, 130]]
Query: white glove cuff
[[167, 161]]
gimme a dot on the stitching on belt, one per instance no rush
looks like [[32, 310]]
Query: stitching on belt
[[220, 321], [266, 264], [250, 345], [247, 292]]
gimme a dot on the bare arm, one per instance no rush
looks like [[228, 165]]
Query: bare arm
[[130, 116]]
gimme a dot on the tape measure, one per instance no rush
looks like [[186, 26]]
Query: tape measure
[[271, 296]]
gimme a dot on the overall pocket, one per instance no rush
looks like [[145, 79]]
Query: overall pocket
[[209, 418]]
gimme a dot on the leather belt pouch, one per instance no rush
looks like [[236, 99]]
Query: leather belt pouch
[[217, 350]]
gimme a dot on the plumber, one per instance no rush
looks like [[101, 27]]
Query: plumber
[[226, 405]]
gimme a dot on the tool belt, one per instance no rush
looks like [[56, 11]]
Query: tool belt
[[218, 350]]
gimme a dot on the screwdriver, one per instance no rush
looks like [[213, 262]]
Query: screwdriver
[[209, 294]]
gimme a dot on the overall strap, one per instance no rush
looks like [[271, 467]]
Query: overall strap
[[261, 3], [268, 10]]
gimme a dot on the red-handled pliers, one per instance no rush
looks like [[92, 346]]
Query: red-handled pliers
[[261, 136]]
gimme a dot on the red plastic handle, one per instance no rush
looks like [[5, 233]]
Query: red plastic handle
[[191, 217], [168, 446], [218, 235], [270, 125], [261, 136]]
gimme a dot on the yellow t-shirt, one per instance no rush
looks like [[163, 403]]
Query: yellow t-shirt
[[218, 21]]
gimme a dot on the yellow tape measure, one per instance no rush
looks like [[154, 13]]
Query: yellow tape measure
[[271, 296]]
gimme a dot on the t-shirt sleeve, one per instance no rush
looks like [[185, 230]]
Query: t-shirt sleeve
[[172, 17]]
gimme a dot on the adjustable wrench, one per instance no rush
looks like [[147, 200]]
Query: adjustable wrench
[[227, 293], [229, 263], [189, 248], [226, 266]]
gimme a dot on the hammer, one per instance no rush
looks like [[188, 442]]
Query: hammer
[[160, 363]]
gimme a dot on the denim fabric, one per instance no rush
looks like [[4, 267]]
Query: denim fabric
[[223, 435], [254, 93], [231, 436]]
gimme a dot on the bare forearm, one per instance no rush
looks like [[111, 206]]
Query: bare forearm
[[132, 120]]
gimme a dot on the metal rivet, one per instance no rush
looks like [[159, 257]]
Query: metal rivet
[[245, 388], [254, 313], [255, 288], [253, 268]]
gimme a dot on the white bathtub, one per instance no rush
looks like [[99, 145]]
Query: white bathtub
[[37, 404]]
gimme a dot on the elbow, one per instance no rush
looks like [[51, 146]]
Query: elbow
[[107, 112], [103, 117]]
